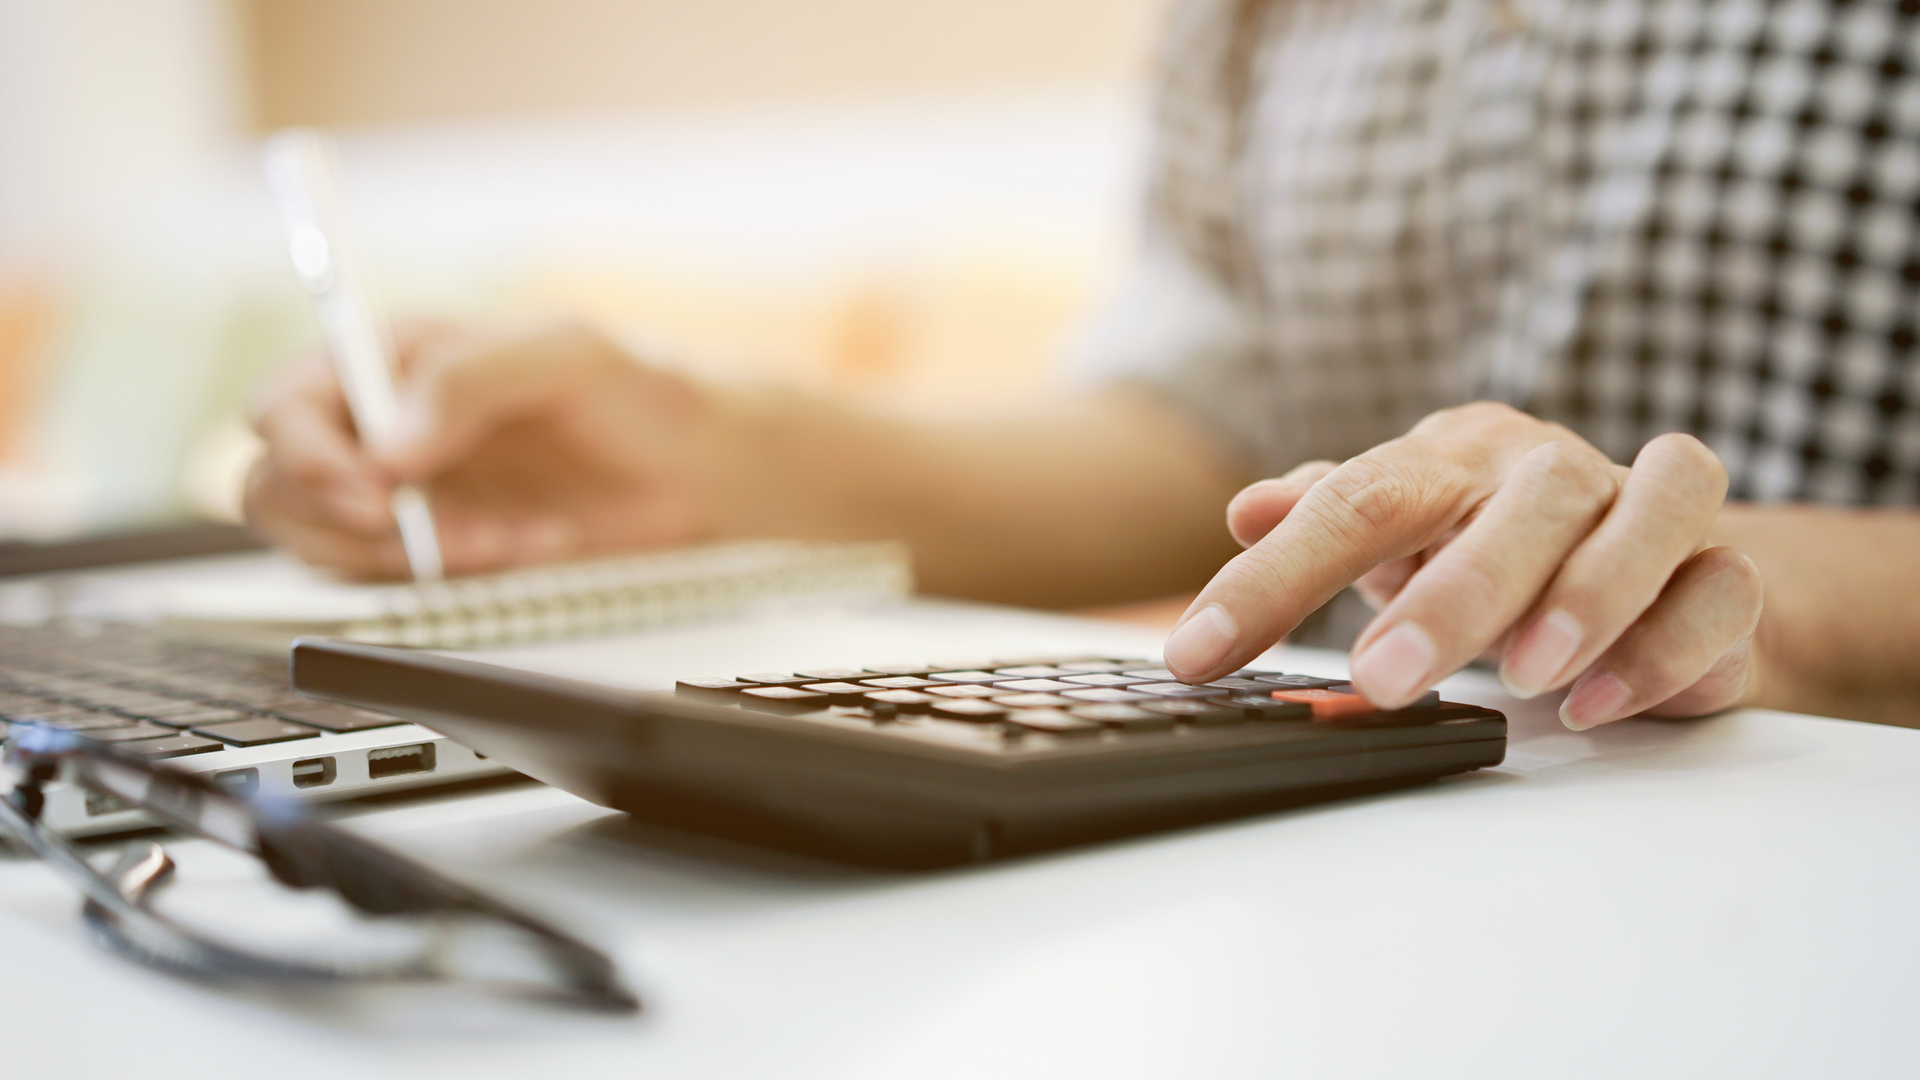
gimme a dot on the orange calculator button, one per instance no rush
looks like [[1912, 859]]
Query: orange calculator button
[[1327, 704]]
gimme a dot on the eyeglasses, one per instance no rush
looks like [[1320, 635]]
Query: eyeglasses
[[453, 932]]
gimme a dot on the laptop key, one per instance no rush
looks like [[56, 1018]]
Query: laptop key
[[256, 732], [127, 733], [200, 716], [335, 718], [175, 745]]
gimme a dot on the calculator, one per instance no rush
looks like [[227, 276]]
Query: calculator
[[922, 764]]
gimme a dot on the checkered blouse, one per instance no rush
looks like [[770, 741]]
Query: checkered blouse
[[1629, 216]]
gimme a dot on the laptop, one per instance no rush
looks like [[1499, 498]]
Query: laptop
[[219, 709]]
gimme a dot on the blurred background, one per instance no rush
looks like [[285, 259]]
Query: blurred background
[[921, 200]]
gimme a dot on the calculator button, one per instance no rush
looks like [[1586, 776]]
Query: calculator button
[[1177, 690], [1155, 674], [901, 669], [775, 679], [964, 690], [975, 665], [899, 682], [1107, 695], [1029, 671], [1327, 703], [1239, 685], [1300, 682], [1263, 707], [1032, 701], [1053, 722], [903, 700], [1102, 679], [970, 709], [974, 676], [782, 699], [1124, 717], [832, 674], [1197, 712], [711, 684], [1038, 686], [842, 693], [1097, 667]]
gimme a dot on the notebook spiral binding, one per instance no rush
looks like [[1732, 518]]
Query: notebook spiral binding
[[635, 593]]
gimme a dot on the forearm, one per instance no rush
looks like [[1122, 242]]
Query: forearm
[[1093, 499], [1840, 632]]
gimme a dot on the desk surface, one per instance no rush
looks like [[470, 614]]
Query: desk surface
[[1732, 896]]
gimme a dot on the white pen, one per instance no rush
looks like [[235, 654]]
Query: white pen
[[303, 171]]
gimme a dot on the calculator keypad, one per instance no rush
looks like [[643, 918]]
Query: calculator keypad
[[1033, 703]]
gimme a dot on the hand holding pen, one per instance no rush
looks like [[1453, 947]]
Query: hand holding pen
[[302, 169]]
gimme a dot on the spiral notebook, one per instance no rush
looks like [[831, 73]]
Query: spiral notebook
[[278, 600]]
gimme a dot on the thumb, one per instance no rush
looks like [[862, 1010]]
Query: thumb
[[1260, 506]]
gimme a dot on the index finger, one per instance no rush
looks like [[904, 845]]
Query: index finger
[[1390, 502]]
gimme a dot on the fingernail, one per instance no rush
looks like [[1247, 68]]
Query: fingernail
[[1543, 651], [1200, 643], [1396, 666], [1596, 700]]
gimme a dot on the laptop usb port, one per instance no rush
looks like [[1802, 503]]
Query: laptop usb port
[[399, 761], [313, 772], [239, 781]]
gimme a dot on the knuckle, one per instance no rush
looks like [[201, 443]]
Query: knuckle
[[1472, 416], [1373, 499], [1571, 468]]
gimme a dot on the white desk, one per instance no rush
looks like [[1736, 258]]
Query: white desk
[[1732, 897]]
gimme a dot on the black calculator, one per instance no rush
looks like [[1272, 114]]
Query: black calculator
[[922, 765]]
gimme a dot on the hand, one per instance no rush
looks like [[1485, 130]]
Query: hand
[[1485, 531], [535, 443]]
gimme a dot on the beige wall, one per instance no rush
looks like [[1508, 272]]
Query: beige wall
[[348, 62]]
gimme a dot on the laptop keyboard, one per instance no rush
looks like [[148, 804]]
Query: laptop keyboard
[[1039, 701], [157, 694]]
